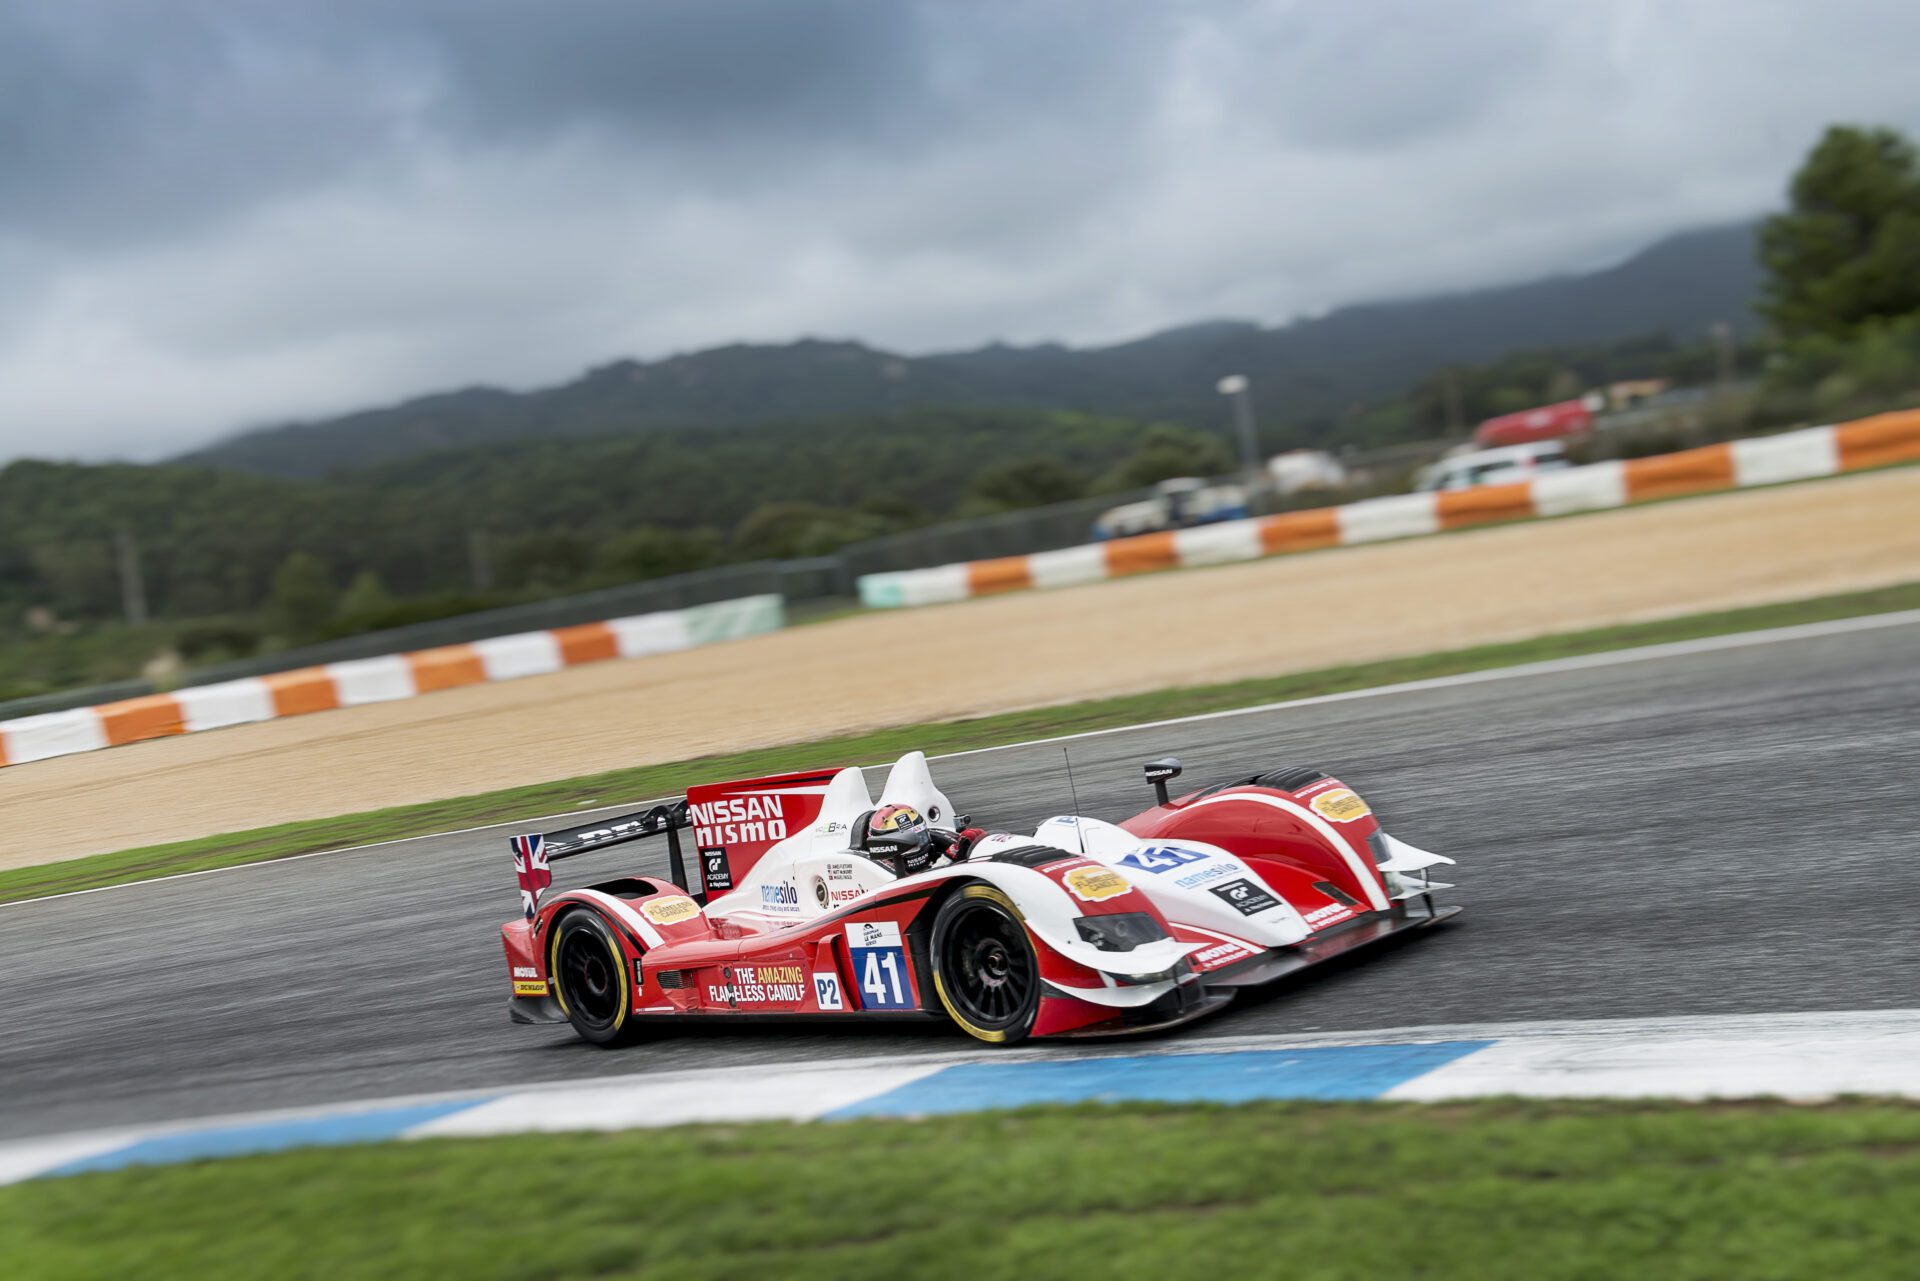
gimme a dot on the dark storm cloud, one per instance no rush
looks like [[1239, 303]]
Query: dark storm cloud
[[694, 74], [124, 117], [1414, 69], [221, 211], [131, 119]]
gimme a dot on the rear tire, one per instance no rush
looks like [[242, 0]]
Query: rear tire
[[590, 979], [984, 968]]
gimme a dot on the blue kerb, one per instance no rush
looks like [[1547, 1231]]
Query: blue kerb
[[1332, 1072], [272, 1136]]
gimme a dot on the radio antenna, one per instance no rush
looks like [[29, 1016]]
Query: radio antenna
[[1078, 831]]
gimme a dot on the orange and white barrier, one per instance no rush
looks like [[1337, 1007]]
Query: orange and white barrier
[[379, 680], [1762, 460]]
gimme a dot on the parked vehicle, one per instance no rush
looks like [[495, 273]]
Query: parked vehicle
[[1299, 470], [1547, 422], [1176, 504], [1505, 466]]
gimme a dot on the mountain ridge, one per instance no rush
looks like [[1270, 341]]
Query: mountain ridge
[[1311, 371]]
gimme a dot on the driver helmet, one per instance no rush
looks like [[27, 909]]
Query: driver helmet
[[897, 838]]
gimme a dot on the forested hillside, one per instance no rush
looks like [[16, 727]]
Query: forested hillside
[[562, 514], [553, 512], [1312, 376], [480, 498]]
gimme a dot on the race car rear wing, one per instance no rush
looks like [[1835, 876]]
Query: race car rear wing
[[534, 852]]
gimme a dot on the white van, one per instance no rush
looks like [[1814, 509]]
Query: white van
[[1503, 466], [1176, 504], [1299, 470]]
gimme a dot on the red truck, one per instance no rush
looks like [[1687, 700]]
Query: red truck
[[1548, 422]]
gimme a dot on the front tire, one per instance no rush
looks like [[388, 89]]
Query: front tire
[[590, 979], [984, 968]]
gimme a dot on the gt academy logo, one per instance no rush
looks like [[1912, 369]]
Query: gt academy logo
[[1091, 884], [826, 992], [714, 869], [738, 820], [1341, 805], [1245, 897], [669, 911], [779, 898]]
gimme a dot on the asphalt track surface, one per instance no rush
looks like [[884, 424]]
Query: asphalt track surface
[[1719, 833]]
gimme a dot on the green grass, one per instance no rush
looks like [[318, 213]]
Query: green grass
[[1540, 1191], [645, 782]]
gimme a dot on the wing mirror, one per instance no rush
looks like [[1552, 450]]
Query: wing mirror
[[1159, 773]]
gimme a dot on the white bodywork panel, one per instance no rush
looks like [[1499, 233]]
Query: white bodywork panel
[[909, 782], [779, 889], [787, 885], [814, 872], [1402, 857], [1179, 876]]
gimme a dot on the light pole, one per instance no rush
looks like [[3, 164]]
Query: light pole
[[1239, 390], [133, 584], [1722, 334]]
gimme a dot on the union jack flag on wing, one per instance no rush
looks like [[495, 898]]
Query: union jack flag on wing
[[530, 865]]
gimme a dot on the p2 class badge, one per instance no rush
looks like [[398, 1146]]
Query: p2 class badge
[[714, 872], [826, 991]]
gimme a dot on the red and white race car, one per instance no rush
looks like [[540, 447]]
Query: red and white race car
[[1083, 928]]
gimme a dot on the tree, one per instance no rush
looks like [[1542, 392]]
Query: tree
[[302, 597], [1846, 253], [1168, 451], [1565, 384], [366, 597], [1028, 482], [893, 510], [653, 552], [791, 531], [549, 561], [77, 576]]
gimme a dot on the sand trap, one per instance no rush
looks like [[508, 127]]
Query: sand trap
[[995, 654]]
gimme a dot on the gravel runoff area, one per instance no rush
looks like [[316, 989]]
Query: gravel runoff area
[[995, 654]]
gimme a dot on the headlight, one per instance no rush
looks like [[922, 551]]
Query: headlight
[[1181, 971], [1120, 932]]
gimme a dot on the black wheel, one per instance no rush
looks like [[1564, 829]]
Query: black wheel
[[984, 969], [590, 979]]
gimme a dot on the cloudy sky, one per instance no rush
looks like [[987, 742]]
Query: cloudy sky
[[219, 213]]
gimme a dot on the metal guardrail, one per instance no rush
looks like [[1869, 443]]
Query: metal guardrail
[[795, 580], [1014, 533]]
